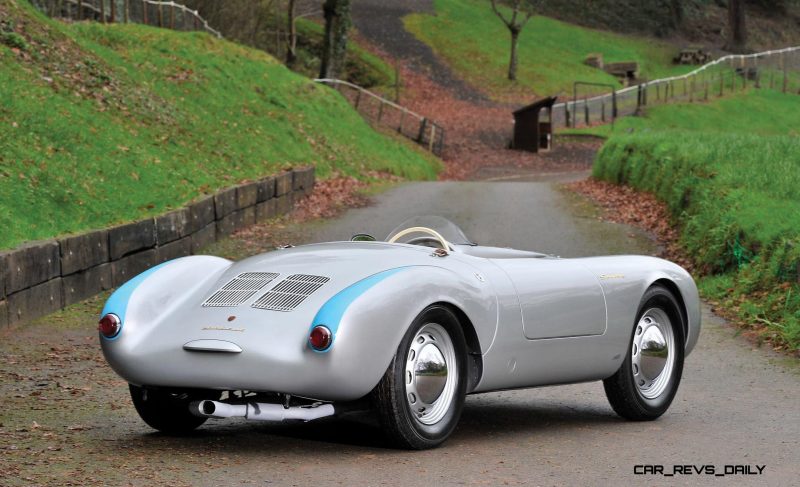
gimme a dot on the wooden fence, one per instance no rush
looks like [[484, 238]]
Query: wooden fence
[[381, 111], [777, 69], [150, 12]]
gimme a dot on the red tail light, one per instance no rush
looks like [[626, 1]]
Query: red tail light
[[109, 325], [320, 338]]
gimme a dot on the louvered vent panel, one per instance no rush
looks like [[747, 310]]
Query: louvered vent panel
[[239, 289], [290, 292]]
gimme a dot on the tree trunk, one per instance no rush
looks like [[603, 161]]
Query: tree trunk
[[291, 41], [337, 24], [737, 41], [512, 64], [676, 7]]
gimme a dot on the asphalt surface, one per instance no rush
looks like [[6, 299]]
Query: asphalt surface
[[66, 417]]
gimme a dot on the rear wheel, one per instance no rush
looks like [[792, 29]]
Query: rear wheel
[[644, 386], [167, 411], [420, 397]]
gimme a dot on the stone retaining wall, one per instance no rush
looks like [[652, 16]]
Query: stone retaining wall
[[42, 277]]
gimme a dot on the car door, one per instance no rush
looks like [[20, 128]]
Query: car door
[[558, 297]]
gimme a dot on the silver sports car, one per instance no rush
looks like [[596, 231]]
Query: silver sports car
[[407, 326]]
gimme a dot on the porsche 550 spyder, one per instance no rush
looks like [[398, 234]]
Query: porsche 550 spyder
[[408, 326]]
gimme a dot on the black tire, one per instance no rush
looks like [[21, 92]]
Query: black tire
[[625, 396], [166, 411], [399, 423]]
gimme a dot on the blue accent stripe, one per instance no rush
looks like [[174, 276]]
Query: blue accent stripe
[[118, 302], [330, 314]]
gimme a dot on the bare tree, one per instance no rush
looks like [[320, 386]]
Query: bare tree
[[296, 9], [337, 24], [737, 35], [291, 36], [521, 13]]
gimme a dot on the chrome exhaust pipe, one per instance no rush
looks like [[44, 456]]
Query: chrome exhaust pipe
[[256, 411], [218, 410]]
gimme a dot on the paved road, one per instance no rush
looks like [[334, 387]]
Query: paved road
[[736, 405]]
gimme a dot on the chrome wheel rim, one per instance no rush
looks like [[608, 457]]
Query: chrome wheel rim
[[653, 353], [431, 374]]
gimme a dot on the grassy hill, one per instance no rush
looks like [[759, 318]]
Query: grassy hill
[[476, 44], [729, 172], [104, 124]]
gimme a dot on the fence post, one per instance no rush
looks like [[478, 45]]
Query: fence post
[[358, 99], [433, 135], [80, 9], [402, 119], [380, 111], [706, 83], [103, 11], [127, 11], [172, 18], [113, 11], [722, 83], [658, 91], [586, 112], [785, 73], [758, 72], [613, 105], [566, 113], [638, 97], [603, 110], [160, 16], [422, 127], [144, 12]]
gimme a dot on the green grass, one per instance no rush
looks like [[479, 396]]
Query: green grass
[[737, 201], [476, 44], [760, 112], [106, 124]]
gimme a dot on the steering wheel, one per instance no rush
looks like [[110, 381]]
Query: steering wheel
[[429, 231]]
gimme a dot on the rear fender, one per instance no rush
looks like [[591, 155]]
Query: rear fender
[[141, 302], [371, 326]]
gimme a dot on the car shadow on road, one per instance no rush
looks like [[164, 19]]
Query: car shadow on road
[[361, 433]]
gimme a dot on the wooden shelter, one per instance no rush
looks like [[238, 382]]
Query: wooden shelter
[[533, 131]]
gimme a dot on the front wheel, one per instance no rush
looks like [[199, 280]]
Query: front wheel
[[167, 411], [644, 386], [420, 397]]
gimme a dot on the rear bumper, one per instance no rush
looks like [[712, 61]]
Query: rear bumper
[[293, 370]]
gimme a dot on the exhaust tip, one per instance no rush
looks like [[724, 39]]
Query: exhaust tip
[[203, 409], [207, 407]]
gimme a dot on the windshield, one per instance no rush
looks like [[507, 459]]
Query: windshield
[[447, 229]]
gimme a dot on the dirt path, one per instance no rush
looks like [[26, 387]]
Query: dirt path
[[478, 130], [380, 23]]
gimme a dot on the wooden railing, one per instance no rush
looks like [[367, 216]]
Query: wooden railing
[[777, 69], [150, 12], [381, 111]]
